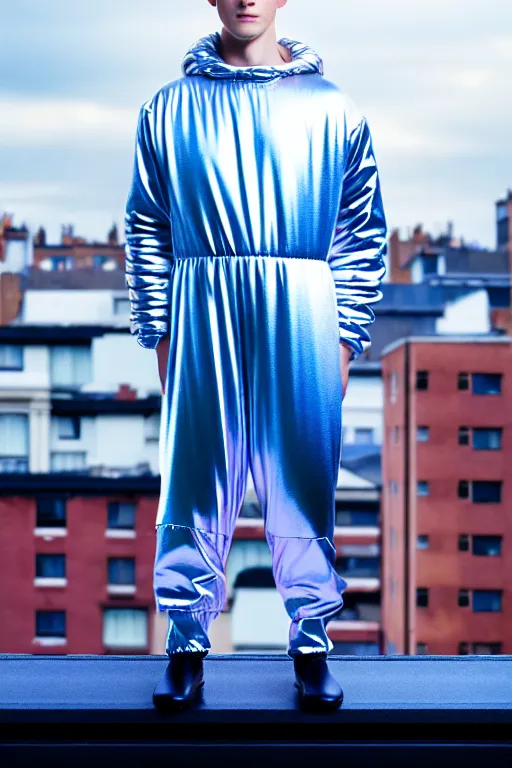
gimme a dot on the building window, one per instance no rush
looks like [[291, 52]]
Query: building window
[[482, 491], [422, 434], [357, 517], [14, 442], [125, 628], [421, 649], [121, 514], [251, 511], [463, 649], [463, 601], [489, 546], [121, 306], [463, 542], [487, 649], [463, 435], [486, 491], [51, 512], [422, 541], [363, 436], [50, 566], [50, 624], [60, 263], [359, 567], [463, 489], [152, 428], [422, 488], [68, 427], [393, 386], [99, 260], [11, 357], [121, 570], [486, 383], [422, 597], [67, 461], [486, 439], [422, 380], [486, 600], [463, 381], [70, 366]]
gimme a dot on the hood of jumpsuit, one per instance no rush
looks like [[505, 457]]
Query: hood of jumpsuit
[[203, 58]]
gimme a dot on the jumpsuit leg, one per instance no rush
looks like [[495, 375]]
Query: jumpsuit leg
[[203, 456], [294, 389], [253, 377]]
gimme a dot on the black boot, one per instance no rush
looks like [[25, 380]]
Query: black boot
[[318, 690], [182, 679]]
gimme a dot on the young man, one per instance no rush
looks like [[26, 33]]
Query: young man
[[255, 244]]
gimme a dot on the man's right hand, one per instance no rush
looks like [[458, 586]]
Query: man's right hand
[[162, 352]]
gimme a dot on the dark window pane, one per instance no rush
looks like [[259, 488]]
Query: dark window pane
[[463, 489], [486, 383], [11, 357], [422, 597], [68, 427], [50, 624], [359, 567], [463, 435], [486, 439], [463, 601], [121, 514], [357, 517], [487, 545], [463, 649], [486, 491], [361, 648], [463, 542], [422, 488], [121, 570], [486, 600], [487, 649], [463, 380], [257, 577], [421, 649], [50, 566], [421, 379], [422, 542], [51, 512]]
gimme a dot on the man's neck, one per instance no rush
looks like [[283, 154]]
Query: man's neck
[[261, 51]]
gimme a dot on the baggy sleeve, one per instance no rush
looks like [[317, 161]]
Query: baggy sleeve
[[359, 244], [148, 249]]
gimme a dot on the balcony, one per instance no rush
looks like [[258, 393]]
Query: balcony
[[398, 711]]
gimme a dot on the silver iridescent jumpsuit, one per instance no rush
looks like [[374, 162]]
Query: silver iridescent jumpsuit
[[255, 238]]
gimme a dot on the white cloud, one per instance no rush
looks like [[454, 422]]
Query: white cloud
[[55, 121]]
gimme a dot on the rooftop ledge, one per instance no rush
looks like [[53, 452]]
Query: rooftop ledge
[[398, 710]]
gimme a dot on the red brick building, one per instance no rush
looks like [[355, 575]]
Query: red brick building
[[447, 496], [76, 564]]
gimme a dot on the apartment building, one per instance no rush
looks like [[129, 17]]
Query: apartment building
[[446, 498]]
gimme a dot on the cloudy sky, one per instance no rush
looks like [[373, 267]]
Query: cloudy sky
[[432, 76]]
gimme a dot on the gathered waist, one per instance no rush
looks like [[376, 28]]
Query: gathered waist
[[247, 256]]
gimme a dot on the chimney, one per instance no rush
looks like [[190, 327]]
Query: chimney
[[40, 237], [125, 392], [113, 238], [67, 234]]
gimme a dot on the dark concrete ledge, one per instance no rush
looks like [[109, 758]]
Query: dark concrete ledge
[[398, 711]]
